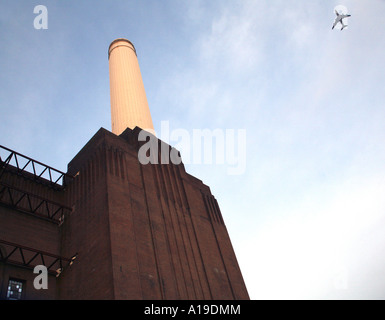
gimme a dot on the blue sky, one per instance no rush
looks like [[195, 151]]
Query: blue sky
[[306, 218]]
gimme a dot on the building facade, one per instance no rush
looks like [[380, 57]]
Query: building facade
[[112, 227]]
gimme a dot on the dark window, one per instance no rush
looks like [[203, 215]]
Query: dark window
[[15, 289]]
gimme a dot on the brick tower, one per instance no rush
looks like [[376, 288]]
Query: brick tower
[[114, 228]]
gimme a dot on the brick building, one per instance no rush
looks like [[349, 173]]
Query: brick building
[[112, 228]]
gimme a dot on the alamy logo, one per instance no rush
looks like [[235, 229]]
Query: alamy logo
[[201, 146], [41, 280], [41, 20]]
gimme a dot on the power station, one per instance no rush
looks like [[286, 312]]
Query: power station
[[111, 227]]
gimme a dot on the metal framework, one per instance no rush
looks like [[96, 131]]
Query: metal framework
[[30, 168], [29, 203], [19, 255], [12, 197]]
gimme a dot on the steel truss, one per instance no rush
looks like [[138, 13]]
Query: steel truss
[[15, 254], [29, 203], [30, 168]]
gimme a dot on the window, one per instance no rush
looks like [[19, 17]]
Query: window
[[15, 289]]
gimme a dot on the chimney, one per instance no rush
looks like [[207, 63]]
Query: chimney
[[129, 106]]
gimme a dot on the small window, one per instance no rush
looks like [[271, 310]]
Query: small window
[[15, 289]]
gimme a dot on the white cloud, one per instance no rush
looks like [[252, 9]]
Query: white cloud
[[318, 248], [232, 43]]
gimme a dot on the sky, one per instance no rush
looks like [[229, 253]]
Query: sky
[[306, 215]]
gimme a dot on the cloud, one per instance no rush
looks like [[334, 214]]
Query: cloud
[[232, 44], [319, 247]]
